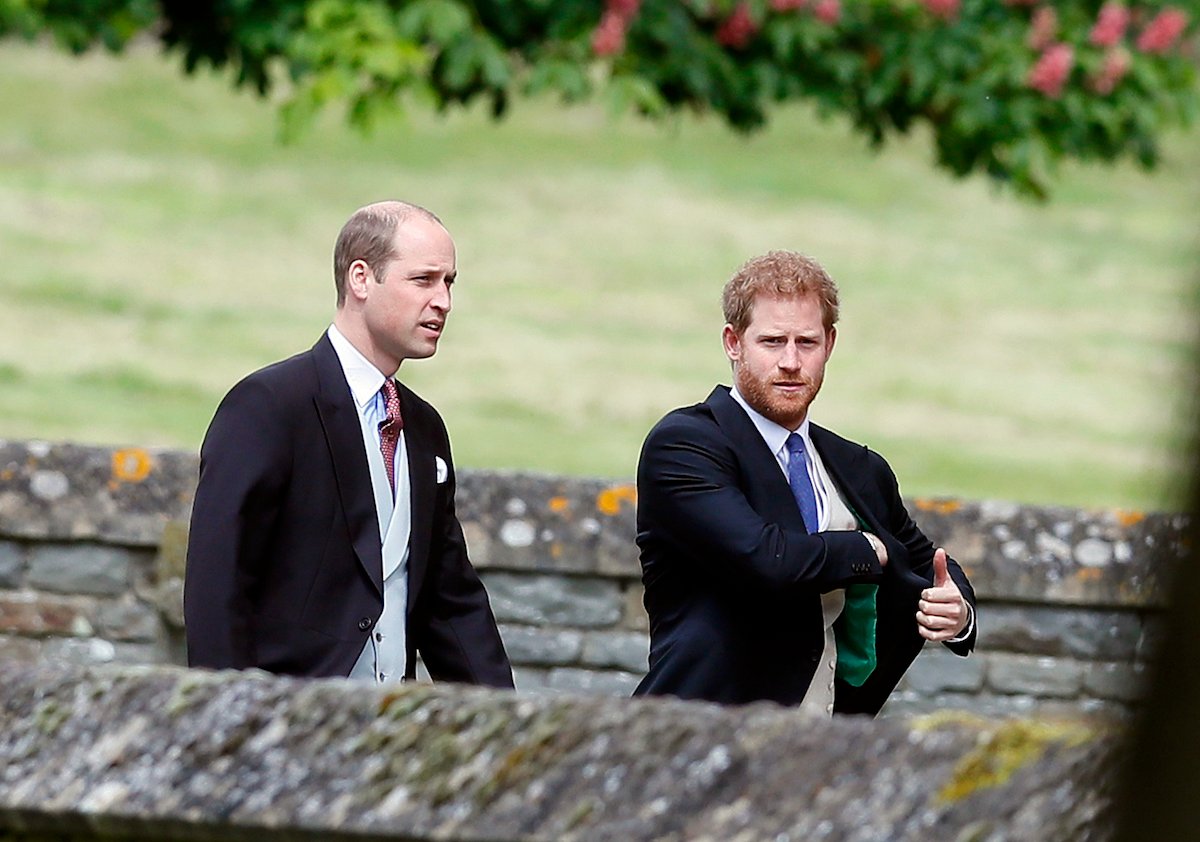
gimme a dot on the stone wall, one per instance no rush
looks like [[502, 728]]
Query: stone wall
[[92, 543], [159, 753]]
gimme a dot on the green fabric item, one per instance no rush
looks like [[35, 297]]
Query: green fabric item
[[854, 632]]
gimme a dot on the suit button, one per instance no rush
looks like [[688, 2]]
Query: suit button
[[365, 623]]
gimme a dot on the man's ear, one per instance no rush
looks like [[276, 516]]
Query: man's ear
[[832, 340], [358, 278], [732, 343]]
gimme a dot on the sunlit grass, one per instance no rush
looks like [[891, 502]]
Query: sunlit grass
[[158, 244]]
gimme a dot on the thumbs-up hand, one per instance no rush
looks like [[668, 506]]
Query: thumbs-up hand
[[942, 613]]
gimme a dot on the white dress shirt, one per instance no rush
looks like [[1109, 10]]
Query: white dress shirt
[[384, 656]]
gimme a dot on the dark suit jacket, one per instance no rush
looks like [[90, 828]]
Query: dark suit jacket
[[284, 567], [734, 581]]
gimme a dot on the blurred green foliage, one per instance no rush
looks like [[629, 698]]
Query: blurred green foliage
[[1008, 88]]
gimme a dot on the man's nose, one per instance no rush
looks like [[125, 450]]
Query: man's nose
[[441, 301], [789, 360]]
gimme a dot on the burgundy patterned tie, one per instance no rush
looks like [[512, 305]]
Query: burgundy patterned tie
[[389, 430]]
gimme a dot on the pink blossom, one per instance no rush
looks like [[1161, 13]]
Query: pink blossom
[[1116, 65], [1110, 26], [1163, 31], [787, 5], [828, 11], [1050, 72], [1043, 29], [625, 8], [944, 9], [737, 29], [609, 37]]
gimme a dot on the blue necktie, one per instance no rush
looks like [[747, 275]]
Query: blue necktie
[[798, 479]]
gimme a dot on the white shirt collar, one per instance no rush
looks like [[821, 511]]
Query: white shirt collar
[[364, 378], [775, 435]]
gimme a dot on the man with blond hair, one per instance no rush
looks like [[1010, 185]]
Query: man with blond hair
[[779, 561], [324, 540]]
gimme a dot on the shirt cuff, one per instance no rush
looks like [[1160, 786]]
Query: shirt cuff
[[968, 629]]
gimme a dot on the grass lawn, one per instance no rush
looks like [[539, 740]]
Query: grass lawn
[[158, 244]]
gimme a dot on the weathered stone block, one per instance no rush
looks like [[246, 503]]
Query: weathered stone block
[[593, 682], [937, 670], [521, 521], [1054, 553], [91, 651], [1093, 634], [535, 646], [1118, 682], [530, 679], [18, 649], [12, 564], [621, 650], [1038, 677], [83, 492], [79, 568], [635, 616], [126, 618], [35, 614], [165, 588], [552, 600], [211, 756]]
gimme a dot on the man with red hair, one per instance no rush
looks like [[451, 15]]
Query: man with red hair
[[778, 558]]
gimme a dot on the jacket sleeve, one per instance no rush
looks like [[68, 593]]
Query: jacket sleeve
[[244, 464], [690, 493]]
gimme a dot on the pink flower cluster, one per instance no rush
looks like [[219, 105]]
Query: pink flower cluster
[[1113, 70], [826, 11], [1043, 28], [609, 37], [1053, 67], [1110, 25], [1163, 31], [737, 29], [1050, 73], [944, 9]]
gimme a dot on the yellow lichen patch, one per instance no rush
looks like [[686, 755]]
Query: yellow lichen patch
[[131, 464], [7, 474], [558, 505], [556, 550], [1127, 517], [941, 507], [1008, 748], [609, 500]]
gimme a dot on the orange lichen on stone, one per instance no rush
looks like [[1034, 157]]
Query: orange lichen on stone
[[1089, 574], [131, 464], [1126, 517], [609, 500], [558, 505], [942, 507]]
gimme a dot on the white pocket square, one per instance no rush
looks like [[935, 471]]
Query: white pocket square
[[442, 470]]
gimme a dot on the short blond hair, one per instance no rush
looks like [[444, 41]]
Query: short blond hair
[[784, 274]]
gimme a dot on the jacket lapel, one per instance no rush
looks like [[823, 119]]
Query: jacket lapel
[[847, 467], [343, 435], [766, 486], [421, 478]]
